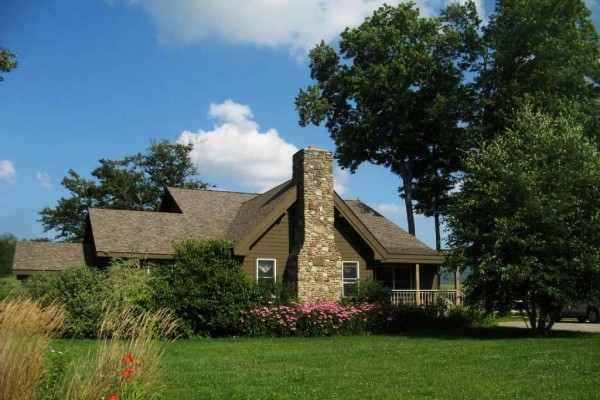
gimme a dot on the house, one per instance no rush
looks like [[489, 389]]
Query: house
[[300, 230]]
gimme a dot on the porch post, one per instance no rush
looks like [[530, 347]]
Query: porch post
[[417, 286], [457, 286]]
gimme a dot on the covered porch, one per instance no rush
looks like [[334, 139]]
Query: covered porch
[[417, 284]]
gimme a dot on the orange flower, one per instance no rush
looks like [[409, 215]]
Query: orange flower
[[126, 372], [128, 358], [113, 397]]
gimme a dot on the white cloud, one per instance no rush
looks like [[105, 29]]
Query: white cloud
[[341, 178], [236, 149], [44, 179], [296, 25], [8, 171]]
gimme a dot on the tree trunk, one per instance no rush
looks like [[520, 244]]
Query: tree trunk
[[438, 238], [408, 199]]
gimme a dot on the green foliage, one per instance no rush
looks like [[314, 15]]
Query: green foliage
[[128, 281], [525, 221], [544, 51], [278, 293], [393, 96], [83, 292], [89, 293], [369, 291], [7, 253], [7, 61], [204, 286], [136, 182], [8, 286]]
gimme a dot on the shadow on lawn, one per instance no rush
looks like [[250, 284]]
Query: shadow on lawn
[[497, 332]]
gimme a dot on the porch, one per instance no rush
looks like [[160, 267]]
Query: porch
[[424, 297], [417, 284]]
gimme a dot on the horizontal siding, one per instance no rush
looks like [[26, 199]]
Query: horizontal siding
[[353, 248], [274, 244]]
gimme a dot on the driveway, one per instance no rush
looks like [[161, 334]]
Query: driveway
[[558, 326]]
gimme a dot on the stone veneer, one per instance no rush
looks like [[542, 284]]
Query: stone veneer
[[318, 263]]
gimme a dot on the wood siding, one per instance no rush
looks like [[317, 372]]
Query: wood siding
[[353, 248], [273, 244]]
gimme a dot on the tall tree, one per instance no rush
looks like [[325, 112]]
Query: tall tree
[[7, 61], [387, 97], [542, 52], [134, 183], [526, 219]]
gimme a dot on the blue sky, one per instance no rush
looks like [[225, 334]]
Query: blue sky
[[100, 79]]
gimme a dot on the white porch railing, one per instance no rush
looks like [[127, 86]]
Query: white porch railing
[[424, 296]]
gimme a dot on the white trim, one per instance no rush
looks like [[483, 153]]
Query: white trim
[[274, 267], [352, 281]]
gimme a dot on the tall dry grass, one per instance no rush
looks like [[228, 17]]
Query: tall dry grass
[[26, 329], [128, 340]]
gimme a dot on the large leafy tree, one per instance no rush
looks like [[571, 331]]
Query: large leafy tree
[[133, 183], [526, 219], [543, 52], [393, 96]]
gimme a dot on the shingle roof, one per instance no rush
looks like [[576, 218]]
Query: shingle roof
[[254, 210], [44, 256], [393, 238]]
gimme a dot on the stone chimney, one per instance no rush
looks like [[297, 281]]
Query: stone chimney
[[318, 263]]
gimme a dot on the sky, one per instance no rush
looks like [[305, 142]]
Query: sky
[[102, 78]]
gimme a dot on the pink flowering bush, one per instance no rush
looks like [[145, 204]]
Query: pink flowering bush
[[312, 319], [332, 318]]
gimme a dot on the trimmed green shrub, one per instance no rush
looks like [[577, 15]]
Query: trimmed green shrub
[[204, 287]]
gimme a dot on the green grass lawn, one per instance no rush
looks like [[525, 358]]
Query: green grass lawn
[[488, 364]]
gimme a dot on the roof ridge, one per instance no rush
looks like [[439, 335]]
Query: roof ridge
[[212, 190]]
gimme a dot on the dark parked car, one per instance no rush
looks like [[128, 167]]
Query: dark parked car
[[582, 312]]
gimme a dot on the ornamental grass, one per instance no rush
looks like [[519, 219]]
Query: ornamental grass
[[124, 365], [26, 330]]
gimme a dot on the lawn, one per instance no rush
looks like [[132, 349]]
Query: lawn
[[488, 364]]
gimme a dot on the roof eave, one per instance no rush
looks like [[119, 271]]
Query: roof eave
[[242, 247]]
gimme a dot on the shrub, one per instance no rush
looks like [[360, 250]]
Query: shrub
[[204, 286], [26, 329], [128, 282], [310, 319], [81, 290], [368, 291]]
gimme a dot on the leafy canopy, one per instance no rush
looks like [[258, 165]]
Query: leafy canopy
[[526, 219], [134, 183], [393, 96]]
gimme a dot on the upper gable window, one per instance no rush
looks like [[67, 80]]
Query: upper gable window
[[266, 270], [349, 275]]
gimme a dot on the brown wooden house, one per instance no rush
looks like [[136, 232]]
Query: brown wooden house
[[300, 230]]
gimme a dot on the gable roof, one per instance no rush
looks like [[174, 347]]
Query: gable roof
[[55, 256], [202, 214]]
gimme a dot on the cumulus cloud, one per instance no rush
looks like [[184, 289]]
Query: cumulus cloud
[[44, 179], [8, 171], [236, 148], [296, 25]]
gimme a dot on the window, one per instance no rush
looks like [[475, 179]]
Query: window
[[266, 270], [349, 275], [395, 278]]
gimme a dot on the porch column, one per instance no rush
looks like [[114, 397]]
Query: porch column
[[417, 286], [457, 286]]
